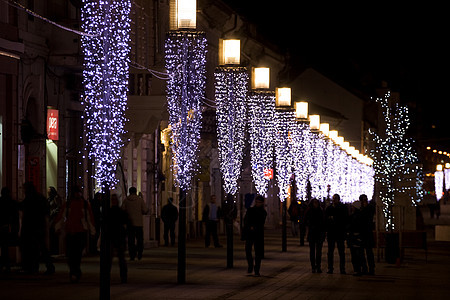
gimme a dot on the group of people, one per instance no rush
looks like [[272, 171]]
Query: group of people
[[339, 223], [36, 223], [336, 223]]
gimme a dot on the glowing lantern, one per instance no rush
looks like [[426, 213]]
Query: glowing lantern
[[283, 97], [229, 52], [301, 110]]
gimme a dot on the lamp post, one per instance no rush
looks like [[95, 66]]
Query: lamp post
[[439, 181], [105, 77], [447, 177], [261, 114], [231, 85], [283, 150], [301, 149], [185, 54]]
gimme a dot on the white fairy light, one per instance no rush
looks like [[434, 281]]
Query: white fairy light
[[231, 85], [261, 115], [186, 65], [105, 77], [393, 156]]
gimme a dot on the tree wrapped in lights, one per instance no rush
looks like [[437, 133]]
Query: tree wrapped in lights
[[231, 85], [105, 77], [261, 110], [185, 62], [392, 155]]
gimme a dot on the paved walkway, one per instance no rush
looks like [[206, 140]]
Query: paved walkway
[[285, 275]]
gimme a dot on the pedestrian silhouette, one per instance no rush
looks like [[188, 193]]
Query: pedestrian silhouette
[[354, 240], [117, 231], [210, 216], [135, 207], [367, 238], [34, 230], [54, 203], [96, 205], [314, 219], [9, 227], [294, 217], [169, 215], [77, 219], [336, 218], [253, 234]]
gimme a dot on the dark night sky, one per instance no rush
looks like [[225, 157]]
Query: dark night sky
[[406, 46]]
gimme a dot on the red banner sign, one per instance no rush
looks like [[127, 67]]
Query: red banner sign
[[268, 173], [52, 124]]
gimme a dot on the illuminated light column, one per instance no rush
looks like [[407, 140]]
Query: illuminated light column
[[231, 86], [439, 182], [447, 176], [105, 78], [317, 157], [301, 150], [284, 125], [261, 111], [185, 55]]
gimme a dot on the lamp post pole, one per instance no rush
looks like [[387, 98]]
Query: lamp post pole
[[185, 60], [181, 269], [231, 85], [284, 158]]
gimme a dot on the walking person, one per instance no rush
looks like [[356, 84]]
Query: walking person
[[253, 234], [96, 206], [135, 208], [294, 217], [54, 203], [336, 218], [169, 215], [367, 238], [77, 219], [354, 240], [35, 213], [315, 222], [117, 236], [9, 227], [211, 214]]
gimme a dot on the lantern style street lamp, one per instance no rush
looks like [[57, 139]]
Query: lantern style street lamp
[[447, 176], [324, 129], [439, 181], [261, 78], [231, 86], [301, 110], [185, 55], [285, 122], [183, 14], [314, 122], [261, 112]]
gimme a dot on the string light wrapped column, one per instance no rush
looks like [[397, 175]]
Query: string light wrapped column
[[302, 150], [439, 182], [231, 86], [105, 77], [284, 126], [185, 56], [261, 115]]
